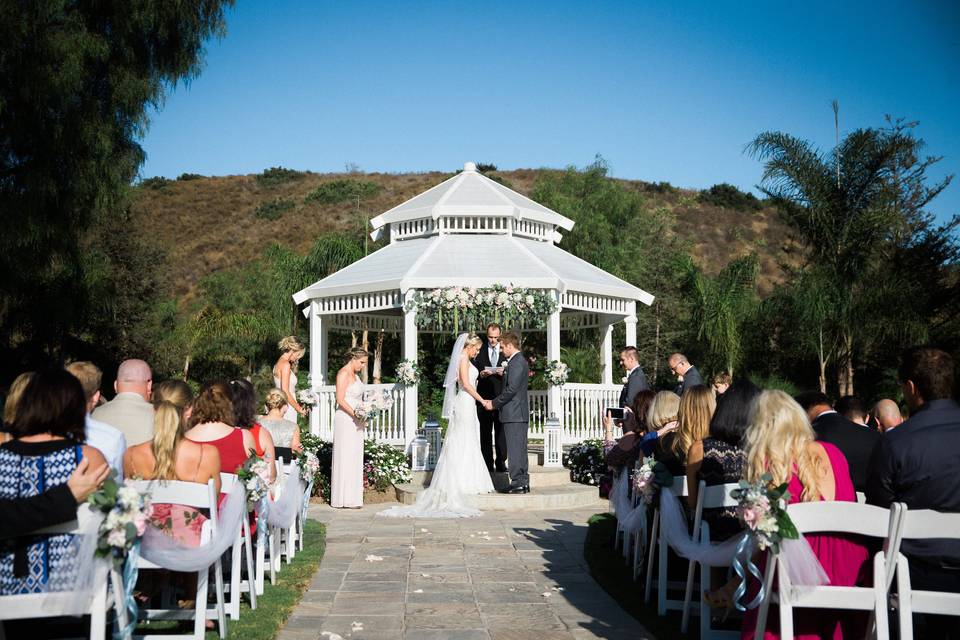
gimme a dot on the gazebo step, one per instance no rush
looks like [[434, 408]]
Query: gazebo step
[[557, 497], [539, 477]]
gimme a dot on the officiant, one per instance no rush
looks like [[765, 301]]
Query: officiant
[[489, 362]]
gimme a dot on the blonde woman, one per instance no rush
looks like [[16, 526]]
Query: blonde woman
[[346, 475], [781, 442], [286, 434], [461, 470], [662, 419], [170, 456], [285, 375]]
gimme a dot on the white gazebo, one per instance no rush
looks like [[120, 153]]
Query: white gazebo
[[470, 231]]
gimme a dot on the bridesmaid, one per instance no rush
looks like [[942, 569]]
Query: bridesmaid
[[285, 375], [346, 478]]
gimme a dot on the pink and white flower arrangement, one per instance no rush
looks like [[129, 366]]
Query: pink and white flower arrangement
[[126, 514], [309, 465], [763, 510], [254, 473], [472, 306], [650, 478], [373, 404], [408, 373], [307, 396], [556, 372]]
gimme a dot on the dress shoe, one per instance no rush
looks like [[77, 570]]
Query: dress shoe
[[504, 490], [523, 489]]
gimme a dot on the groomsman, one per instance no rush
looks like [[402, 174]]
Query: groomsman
[[634, 381], [489, 386]]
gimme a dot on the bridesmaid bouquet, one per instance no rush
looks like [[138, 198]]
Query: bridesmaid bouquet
[[307, 396], [408, 373], [373, 404], [763, 510], [650, 478], [126, 513]]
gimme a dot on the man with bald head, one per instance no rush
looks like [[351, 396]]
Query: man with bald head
[[130, 410], [687, 374], [888, 414]]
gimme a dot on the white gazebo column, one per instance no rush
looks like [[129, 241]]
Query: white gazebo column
[[631, 322], [554, 401], [318, 362], [411, 400], [607, 329]]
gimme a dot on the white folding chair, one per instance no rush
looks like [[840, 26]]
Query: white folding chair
[[923, 525], [302, 516], [53, 604], [658, 546], [835, 517], [241, 553], [199, 496], [707, 498], [287, 537]]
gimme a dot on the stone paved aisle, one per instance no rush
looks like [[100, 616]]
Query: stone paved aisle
[[505, 576]]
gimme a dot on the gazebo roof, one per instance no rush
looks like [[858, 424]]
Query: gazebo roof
[[472, 231]]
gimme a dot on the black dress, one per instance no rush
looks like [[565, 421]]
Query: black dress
[[722, 464], [663, 453]]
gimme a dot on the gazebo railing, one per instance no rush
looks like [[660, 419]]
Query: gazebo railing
[[387, 427], [583, 408]]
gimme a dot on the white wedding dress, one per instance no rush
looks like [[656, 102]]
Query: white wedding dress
[[460, 471]]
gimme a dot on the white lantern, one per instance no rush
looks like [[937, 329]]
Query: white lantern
[[431, 431], [552, 442], [419, 450]]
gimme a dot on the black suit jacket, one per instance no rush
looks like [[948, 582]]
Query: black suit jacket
[[690, 379], [636, 383], [491, 386], [23, 515], [855, 441], [917, 463]]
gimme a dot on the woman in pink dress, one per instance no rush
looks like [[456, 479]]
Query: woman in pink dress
[[346, 477], [781, 442]]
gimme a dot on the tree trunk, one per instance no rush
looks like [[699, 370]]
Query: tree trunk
[[656, 343], [845, 367], [377, 359], [823, 364], [186, 367], [365, 374]]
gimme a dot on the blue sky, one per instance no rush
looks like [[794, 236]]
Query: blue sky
[[662, 90]]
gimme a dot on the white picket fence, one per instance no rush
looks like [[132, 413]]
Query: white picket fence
[[582, 405]]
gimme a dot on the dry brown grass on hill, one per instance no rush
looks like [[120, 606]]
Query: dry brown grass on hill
[[208, 224]]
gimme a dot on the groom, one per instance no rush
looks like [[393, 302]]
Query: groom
[[514, 412]]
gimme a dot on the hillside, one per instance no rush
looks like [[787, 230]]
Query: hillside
[[206, 224]]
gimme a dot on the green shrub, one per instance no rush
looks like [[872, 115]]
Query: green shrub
[[728, 196], [273, 209], [486, 167], [383, 464], [775, 382], [156, 182], [586, 463], [342, 190], [189, 176], [275, 176]]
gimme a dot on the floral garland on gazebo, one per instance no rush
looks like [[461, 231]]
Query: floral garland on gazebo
[[470, 307]]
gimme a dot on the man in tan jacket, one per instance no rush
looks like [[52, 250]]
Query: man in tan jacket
[[130, 410]]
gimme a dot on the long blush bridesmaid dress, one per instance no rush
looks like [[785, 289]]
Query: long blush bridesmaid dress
[[346, 477]]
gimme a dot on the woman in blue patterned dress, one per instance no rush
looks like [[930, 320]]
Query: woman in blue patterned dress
[[48, 445]]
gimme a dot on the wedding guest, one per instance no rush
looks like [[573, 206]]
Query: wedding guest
[[10, 404], [719, 458], [851, 408], [855, 441], [212, 422], [626, 451], [693, 420], [285, 434], [721, 382], [170, 456], [489, 386], [887, 413], [662, 419], [687, 375], [100, 435], [245, 417], [176, 392], [346, 477], [285, 375], [130, 410], [916, 464], [634, 381], [54, 506], [781, 442], [47, 447]]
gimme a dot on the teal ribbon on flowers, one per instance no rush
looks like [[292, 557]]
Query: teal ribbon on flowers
[[130, 573], [742, 565]]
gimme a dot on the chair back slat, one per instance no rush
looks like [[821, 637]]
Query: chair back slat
[[924, 524], [718, 495], [188, 494], [840, 517], [679, 487], [227, 480]]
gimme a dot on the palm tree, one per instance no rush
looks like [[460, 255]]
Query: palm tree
[[843, 206], [721, 305]]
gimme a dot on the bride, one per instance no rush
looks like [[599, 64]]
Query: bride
[[460, 470]]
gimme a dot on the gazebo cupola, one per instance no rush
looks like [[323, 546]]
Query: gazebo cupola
[[468, 231]]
